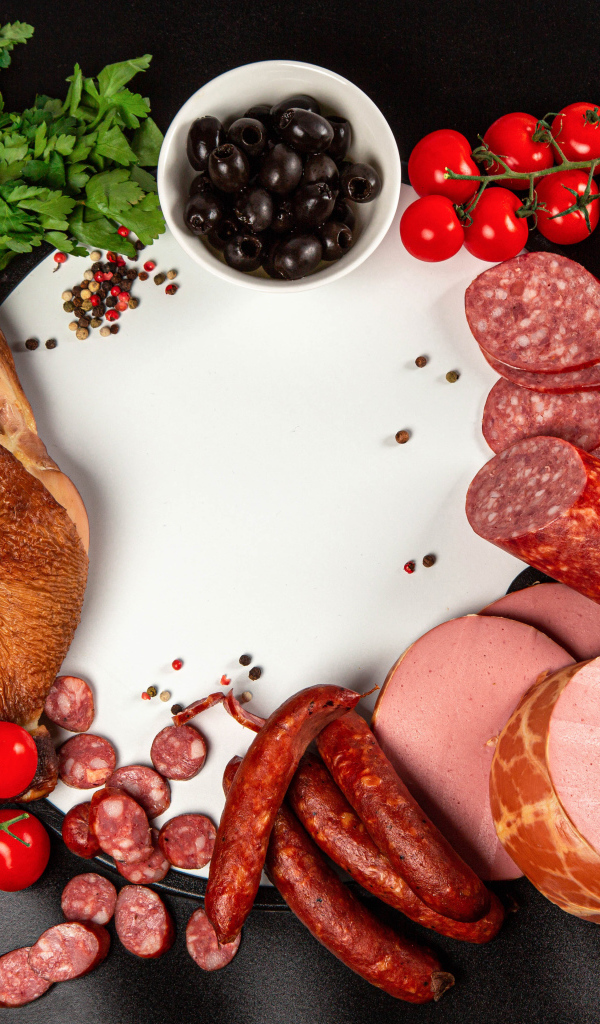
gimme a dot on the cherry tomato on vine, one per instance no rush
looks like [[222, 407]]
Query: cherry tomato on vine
[[18, 760], [576, 128], [495, 232], [511, 137], [24, 850], [431, 156], [430, 229], [553, 192]]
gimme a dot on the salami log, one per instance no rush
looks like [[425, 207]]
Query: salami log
[[203, 946], [86, 761], [512, 413], [568, 618], [178, 752], [89, 897], [146, 786], [19, 984], [121, 826], [188, 840], [146, 872], [538, 312], [70, 704], [69, 950], [540, 500], [548, 383], [143, 923], [76, 832]]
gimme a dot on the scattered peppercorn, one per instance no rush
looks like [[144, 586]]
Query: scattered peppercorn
[[132, 274], [96, 322], [68, 307], [60, 257], [133, 303], [114, 329], [112, 314], [171, 274], [145, 696], [111, 301], [255, 673], [73, 325], [77, 300], [421, 361], [139, 245], [66, 296], [171, 289], [82, 333], [165, 695], [32, 344], [143, 276], [123, 231], [245, 696], [149, 265], [51, 343], [402, 436], [409, 567], [177, 664], [245, 659], [85, 293], [105, 331], [176, 708], [88, 275], [95, 256], [86, 305], [452, 376], [160, 279], [428, 561], [76, 289], [111, 257], [152, 691], [94, 287]]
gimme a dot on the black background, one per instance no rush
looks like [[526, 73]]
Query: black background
[[427, 65]]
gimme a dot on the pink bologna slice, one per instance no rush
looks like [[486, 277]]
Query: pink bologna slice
[[438, 715], [540, 501], [19, 984], [151, 791], [568, 382], [538, 312], [86, 761], [203, 946], [70, 704], [512, 413], [568, 618]]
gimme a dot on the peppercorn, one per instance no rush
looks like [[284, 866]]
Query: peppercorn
[[126, 286], [152, 691], [85, 293], [68, 307], [171, 274], [77, 300], [103, 291], [66, 296], [95, 256], [177, 664], [402, 436], [409, 567], [94, 287], [246, 696], [111, 257], [171, 289], [428, 561], [31, 344], [452, 376], [149, 266], [105, 331], [122, 231], [76, 289], [83, 321], [176, 709], [255, 673], [165, 695], [87, 305], [160, 278], [133, 303], [82, 333], [139, 245], [60, 257], [96, 322], [132, 274], [95, 300], [73, 325], [421, 361], [143, 276], [51, 343], [245, 659], [88, 275], [145, 696], [114, 329], [111, 314], [111, 301]]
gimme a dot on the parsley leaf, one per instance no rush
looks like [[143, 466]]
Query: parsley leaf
[[146, 143], [10, 35]]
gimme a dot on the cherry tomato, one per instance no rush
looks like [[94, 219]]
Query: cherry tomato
[[576, 128], [511, 137], [430, 229], [431, 156], [553, 191], [24, 850], [496, 233], [18, 760]]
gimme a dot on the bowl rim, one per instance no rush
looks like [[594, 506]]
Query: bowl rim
[[272, 285]]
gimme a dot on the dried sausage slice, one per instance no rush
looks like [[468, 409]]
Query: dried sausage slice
[[178, 752], [548, 383], [151, 791], [121, 826], [89, 897], [188, 840], [19, 984], [146, 871], [69, 950], [70, 704], [203, 945], [143, 923], [85, 762], [76, 832], [512, 413]]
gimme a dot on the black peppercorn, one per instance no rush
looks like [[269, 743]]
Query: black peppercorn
[[111, 301], [51, 343], [245, 659], [32, 344], [255, 673]]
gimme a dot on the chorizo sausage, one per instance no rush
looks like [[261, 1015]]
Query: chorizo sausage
[[203, 946], [76, 832], [143, 923], [89, 897], [86, 761], [150, 789], [188, 840], [69, 950], [70, 704], [19, 984], [145, 872], [178, 752], [120, 826]]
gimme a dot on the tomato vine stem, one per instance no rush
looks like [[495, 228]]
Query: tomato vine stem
[[4, 827]]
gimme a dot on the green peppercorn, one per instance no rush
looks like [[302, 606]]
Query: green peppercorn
[[452, 376], [160, 279], [152, 691], [68, 306]]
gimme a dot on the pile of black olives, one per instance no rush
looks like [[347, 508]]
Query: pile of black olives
[[274, 190]]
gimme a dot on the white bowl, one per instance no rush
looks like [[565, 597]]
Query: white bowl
[[269, 81]]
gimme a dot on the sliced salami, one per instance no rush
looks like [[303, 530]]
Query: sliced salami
[[76, 832], [70, 704], [540, 500], [151, 791], [143, 923], [19, 984], [89, 897], [69, 950], [121, 826], [203, 946], [85, 762], [188, 840], [538, 312], [548, 383], [512, 413], [147, 871], [178, 752]]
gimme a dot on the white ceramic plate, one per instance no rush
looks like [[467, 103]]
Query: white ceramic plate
[[236, 454]]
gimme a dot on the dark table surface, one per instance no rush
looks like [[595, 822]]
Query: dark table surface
[[427, 65]]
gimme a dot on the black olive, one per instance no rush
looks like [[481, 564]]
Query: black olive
[[301, 100], [244, 252], [297, 256], [304, 130], [336, 239], [201, 183], [268, 255], [313, 204], [283, 218], [223, 232], [261, 112], [202, 212], [343, 214], [249, 135], [320, 167], [205, 135], [360, 183], [281, 170], [342, 137], [228, 168], [254, 208]]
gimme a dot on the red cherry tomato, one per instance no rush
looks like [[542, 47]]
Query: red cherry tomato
[[511, 137], [431, 156], [18, 760], [496, 233], [430, 229], [24, 850], [553, 192], [576, 128]]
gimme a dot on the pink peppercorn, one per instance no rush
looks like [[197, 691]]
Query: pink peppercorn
[[108, 276], [145, 696], [177, 664], [111, 314], [149, 266], [60, 257], [115, 290], [123, 231], [95, 300], [99, 277], [120, 261], [111, 257]]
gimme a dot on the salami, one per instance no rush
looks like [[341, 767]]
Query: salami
[[143, 923], [121, 826], [76, 832], [89, 897], [178, 752], [70, 704], [85, 762], [203, 946], [151, 791], [19, 984], [538, 312], [540, 500], [188, 840], [69, 950], [548, 383], [512, 413], [146, 872]]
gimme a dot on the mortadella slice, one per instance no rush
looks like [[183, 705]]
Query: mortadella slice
[[568, 618], [512, 413]]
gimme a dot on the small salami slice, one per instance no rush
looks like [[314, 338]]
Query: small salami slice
[[147, 871], [89, 897], [69, 950], [19, 984], [151, 791], [203, 946], [188, 840], [178, 752], [70, 704], [512, 413], [85, 762], [76, 832], [143, 923], [548, 383], [121, 826]]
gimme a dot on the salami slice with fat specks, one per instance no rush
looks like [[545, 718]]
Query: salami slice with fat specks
[[19, 984], [203, 946], [151, 791], [538, 312], [146, 872], [178, 752], [566, 383], [69, 950], [121, 826], [512, 413], [188, 840], [86, 762], [70, 704], [143, 923], [76, 832], [89, 897]]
